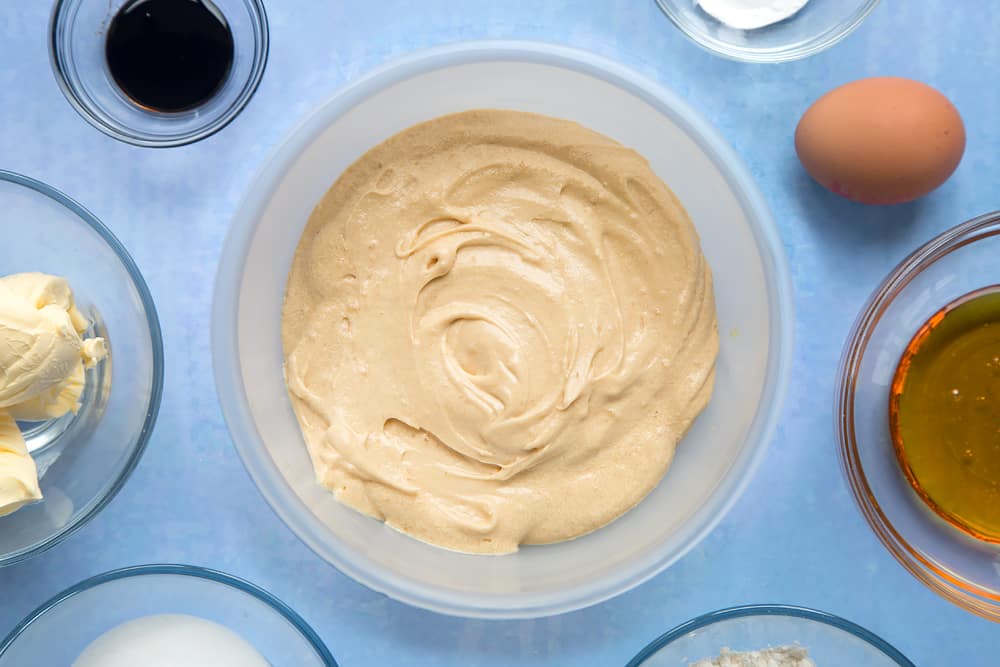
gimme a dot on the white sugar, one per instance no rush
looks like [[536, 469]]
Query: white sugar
[[170, 640]]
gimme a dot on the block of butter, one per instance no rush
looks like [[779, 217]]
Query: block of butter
[[43, 357]]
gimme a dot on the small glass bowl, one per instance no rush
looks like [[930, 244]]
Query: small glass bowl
[[829, 639], [962, 569], [84, 459], [76, 47], [58, 631], [817, 26]]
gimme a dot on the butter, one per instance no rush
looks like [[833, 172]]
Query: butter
[[43, 358], [18, 474], [54, 402]]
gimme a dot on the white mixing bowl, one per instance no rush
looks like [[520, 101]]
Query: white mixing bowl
[[713, 463]]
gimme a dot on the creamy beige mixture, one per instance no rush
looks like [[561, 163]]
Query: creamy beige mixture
[[497, 326]]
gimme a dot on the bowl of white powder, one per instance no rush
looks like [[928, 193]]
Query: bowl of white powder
[[164, 616], [768, 31], [769, 636], [713, 461]]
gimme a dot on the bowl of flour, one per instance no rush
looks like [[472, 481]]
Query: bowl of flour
[[767, 30], [769, 636]]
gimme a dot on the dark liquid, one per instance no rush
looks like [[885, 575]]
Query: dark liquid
[[169, 55]]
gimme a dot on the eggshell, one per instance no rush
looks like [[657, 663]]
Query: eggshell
[[884, 140]]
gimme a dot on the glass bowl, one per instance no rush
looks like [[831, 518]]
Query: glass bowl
[[83, 459], [955, 565], [58, 631], [829, 639], [717, 457], [817, 26], [76, 47]]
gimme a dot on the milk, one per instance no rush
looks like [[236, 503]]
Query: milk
[[170, 640]]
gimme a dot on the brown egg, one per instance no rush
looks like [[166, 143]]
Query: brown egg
[[885, 140]]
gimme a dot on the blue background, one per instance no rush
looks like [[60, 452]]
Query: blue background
[[795, 537]]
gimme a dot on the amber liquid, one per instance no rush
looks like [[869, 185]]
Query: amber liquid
[[944, 411]]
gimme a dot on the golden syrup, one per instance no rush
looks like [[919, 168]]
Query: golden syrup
[[944, 410]]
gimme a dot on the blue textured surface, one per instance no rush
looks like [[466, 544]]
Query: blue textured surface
[[795, 537]]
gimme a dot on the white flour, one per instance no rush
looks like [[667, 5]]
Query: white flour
[[751, 14], [785, 656]]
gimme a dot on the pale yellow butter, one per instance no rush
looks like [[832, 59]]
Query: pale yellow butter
[[18, 474], [42, 371]]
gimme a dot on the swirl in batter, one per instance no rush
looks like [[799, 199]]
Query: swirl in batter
[[497, 327]]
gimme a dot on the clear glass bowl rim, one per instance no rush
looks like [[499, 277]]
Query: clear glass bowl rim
[[229, 377], [136, 139], [948, 586], [156, 340], [178, 570], [772, 55], [791, 611]]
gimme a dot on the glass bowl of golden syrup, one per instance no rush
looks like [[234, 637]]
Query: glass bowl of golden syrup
[[918, 414], [944, 413]]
